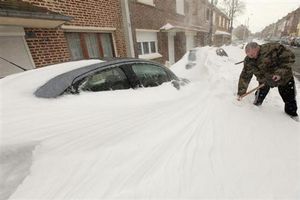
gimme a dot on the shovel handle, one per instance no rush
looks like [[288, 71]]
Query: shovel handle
[[249, 92]]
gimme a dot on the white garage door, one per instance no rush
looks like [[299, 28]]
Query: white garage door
[[13, 47]]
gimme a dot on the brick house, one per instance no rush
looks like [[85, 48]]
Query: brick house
[[287, 26], [163, 30], [36, 33], [221, 28], [292, 20]]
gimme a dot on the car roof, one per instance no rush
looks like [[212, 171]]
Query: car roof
[[57, 85]]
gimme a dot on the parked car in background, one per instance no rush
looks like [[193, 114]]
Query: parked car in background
[[297, 41], [284, 40]]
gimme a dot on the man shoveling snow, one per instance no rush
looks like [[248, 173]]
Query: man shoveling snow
[[271, 64]]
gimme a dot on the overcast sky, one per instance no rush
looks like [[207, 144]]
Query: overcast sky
[[264, 12]]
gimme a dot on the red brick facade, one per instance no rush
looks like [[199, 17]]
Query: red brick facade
[[50, 45], [163, 12], [106, 18]]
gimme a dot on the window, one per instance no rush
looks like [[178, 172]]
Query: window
[[73, 40], [146, 47], [110, 79], [220, 21], [106, 42], [207, 14], [147, 44], [148, 2], [153, 47], [150, 75], [180, 7], [90, 45]]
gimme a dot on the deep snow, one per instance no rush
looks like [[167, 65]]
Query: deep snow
[[151, 143]]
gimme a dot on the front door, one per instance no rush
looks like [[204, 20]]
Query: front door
[[171, 36]]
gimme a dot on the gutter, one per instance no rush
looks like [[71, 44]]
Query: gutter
[[33, 15]]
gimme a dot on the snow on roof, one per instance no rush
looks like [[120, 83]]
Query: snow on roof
[[181, 27], [168, 26], [222, 33]]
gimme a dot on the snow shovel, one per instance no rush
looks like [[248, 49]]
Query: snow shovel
[[249, 92]]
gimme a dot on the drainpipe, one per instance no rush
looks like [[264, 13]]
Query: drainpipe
[[127, 28]]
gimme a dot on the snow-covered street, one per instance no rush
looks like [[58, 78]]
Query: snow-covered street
[[152, 143]]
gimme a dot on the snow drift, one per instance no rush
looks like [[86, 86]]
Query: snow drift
[[152, 143]]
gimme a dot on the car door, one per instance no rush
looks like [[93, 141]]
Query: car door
[[104, 80], [150, 75]]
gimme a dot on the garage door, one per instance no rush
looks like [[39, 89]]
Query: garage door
[[13, 47]]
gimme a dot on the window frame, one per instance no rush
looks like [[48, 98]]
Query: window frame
[[83, 44], [147, 2], [147, 37]]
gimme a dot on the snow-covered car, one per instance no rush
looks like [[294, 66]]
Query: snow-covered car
[[115, 74]]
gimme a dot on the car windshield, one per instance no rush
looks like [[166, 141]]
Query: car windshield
[[150, 75], [110, 79]]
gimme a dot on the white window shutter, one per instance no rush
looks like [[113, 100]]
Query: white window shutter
[[180, 7]]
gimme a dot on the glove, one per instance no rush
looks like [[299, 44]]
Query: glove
[[276, 78], [273, 81]]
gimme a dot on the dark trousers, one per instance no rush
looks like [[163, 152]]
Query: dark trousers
[[287, 93]]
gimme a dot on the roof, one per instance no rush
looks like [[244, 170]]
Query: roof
[[222, 33], [175, 27], [12, 10]]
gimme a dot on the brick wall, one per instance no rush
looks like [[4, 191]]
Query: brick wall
[[200, 39], [149, 17], [96, 13], [49, 46], [162, 38]]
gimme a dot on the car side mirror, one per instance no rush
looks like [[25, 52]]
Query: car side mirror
[[176, 84]]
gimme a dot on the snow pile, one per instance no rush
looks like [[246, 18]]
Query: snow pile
[[151, 143]]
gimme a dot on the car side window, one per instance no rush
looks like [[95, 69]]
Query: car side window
[[150, 75], [109, 79]]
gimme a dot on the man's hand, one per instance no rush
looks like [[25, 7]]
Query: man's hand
[[276, 78]]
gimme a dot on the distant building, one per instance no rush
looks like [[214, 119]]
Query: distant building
[[221, 28], [287, 26]]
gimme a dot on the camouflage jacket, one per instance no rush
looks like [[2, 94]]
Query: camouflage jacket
[[273, 59]]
